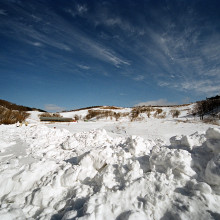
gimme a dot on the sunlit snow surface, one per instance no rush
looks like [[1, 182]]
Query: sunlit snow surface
[[58, 173]]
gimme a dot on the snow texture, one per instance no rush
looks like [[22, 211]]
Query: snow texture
[[57, 174]]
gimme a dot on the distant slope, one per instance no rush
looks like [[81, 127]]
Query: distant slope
[[13, 106]]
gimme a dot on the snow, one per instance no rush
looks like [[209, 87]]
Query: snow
[[150, 169]]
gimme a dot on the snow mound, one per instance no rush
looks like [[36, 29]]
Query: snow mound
[[212, 172], [213, 139], [90, 175]]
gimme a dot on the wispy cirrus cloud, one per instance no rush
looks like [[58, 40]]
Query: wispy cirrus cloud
[[84, 67], [139, 78], [3, 12], [77, 9], [178, 51], [65, 36]]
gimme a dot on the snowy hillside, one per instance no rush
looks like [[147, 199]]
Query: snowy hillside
[[148, 168]]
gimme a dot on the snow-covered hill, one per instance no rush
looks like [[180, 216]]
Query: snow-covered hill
[[147, 168]]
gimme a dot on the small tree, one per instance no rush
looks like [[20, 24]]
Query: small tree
[[208, 106]]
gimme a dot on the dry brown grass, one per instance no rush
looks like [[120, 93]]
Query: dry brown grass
[[111, 107], [8, 116], [136, 111], [98, 114]]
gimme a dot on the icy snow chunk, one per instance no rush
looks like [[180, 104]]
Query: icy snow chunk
[[11, 213], [203, 188], [69, 177], [213, 139], [187, 142], [135, 171], [213, 133], [86, 168], [70, 143], [212, 172], [179, 161], [138, 146]]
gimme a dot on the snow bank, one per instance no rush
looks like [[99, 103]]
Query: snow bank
[[90, 175], [213, 139]]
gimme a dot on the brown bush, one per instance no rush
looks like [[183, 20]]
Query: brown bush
[[161, 116], [159, 110], [104, 114], [98, 114], [135, 113], [57, 115], [47, 114], [12, 116], [175, 113], [155, 114], [77, 117]]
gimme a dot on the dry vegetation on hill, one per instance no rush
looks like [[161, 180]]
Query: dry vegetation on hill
[[11, 113], [8, 116], [12, 106], [98, 114]]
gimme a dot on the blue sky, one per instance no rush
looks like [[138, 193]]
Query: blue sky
[[66, 54]]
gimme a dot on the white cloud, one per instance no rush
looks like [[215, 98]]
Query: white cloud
[[159, 102], [53, 108], [37, 44], [105, 54], [202, 86], [139, 78], [77, 10], [82, 9], [3, 12], [84, 67]]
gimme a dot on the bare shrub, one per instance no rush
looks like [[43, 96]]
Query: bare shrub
[[207, 107], [77, 117], [92, 114], [117, 116], [159, 110], [175, 113], [57, 115], [103, 114], [135, 113], [161, 116], [46, 114], [155, 114]]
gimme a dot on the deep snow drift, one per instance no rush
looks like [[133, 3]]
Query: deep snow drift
[[51, 173]]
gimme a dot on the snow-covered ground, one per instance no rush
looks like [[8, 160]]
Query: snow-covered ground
[[150, 169]]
